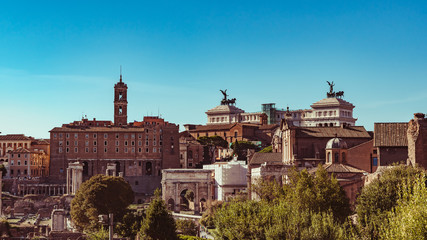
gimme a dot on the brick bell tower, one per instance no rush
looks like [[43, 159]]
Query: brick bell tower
[[120, 103]]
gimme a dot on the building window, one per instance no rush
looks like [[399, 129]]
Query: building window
[[25, 163], [126, 150], [139, 135], [75, 150], [94, 149], [86, 135], [375, 161], [126, 136], [67, 143], [133, 149], [146, 150], [67, 150], [94, 143], [154, 150], [87, 150], [11, 162], [133, 143], [75, 135], [139, 143], [126, 143], [105, 150], [19, 163], [133, 135], [139, 149], [117, 150], [105, 135], [117, 135], [117, 143], [60, 149], [94, 135], [67, 135], [337, 156], [54, 135], [105, 143], [76, 143]]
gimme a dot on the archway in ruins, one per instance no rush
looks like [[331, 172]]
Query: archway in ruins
[[179, 183], [171, 204], [187, 200]]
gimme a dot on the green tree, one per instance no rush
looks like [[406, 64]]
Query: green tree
[[186, 227], [211, 145], [130, 224], [380, 196], [100, 195], [240, 148], [408, 220], [158, 223], [267, 149], [208, 216]]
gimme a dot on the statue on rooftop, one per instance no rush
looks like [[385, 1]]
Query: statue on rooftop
[[224, 92], [225, 100]]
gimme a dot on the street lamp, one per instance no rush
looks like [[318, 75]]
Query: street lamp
[[107, 220]]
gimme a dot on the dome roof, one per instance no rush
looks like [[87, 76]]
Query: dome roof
[[336, 143]]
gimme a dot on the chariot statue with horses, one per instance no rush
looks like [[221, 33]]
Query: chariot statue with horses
[[225, 100], [332, 93]]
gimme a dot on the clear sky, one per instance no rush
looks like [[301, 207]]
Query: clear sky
[[59, 60]]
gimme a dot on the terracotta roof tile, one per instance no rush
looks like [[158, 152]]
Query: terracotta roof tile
[[14, 137], [390, 134], [260, 158], [338, 168], [329, 132]]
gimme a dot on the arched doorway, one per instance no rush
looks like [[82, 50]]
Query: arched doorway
[[171, 204], [187, 200]]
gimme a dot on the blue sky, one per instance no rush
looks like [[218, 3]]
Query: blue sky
[[59, 60]]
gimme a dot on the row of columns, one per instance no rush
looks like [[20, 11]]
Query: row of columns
[[47, 189]]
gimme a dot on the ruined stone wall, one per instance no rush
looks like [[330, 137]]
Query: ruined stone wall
[[417, 141]]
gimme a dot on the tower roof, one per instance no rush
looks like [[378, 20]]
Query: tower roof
[[221, 109], [332, 102]]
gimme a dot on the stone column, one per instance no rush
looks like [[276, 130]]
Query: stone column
[[68, 180], [177, 198], [196, 199]]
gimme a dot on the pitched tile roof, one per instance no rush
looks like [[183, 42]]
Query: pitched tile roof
[[329, 132], [20, 150], [260, 158], [338, 168], [14, 137], [390, 134]]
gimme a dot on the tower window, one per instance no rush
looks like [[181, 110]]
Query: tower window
[[120, 110]]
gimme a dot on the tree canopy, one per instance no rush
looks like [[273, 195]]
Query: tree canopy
[[100, 195], [158, 223], [240, 148], [308, 207], [212, 143], [380, 196]]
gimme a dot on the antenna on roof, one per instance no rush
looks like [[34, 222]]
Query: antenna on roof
[[120, 73]]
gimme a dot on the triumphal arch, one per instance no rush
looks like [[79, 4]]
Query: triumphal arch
[[187, 189]]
